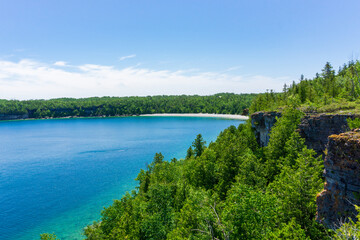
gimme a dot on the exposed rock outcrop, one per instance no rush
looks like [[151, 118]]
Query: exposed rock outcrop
[[342, 175], [315, 129], [262, 122]]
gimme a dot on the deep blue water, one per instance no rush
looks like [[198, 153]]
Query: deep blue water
[[57, 175]]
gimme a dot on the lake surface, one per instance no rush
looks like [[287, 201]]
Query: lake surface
[[57, 175]]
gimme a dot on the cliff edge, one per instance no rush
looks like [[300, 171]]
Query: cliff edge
[[262, 122], [314, 128], [335, 204]]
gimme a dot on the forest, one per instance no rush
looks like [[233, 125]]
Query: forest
[[234, 189], [230, 189], [228, 103], [326, 92]]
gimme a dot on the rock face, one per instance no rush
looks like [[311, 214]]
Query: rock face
[[342, 175], [342, 162], [315, 129], [262, 123]]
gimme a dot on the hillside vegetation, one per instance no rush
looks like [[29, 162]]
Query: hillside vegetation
[[232, 188], [327, 92]]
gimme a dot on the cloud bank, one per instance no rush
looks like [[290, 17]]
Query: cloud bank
[[30, 79]]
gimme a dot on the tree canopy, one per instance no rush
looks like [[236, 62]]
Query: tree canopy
[[223, 103], [225, 190], [326, 92]]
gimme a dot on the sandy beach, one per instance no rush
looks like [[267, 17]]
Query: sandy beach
[[212, 115]]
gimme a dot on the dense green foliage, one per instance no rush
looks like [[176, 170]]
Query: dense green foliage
[[326, 92], [231, 189], [354, 123], [349, 230], [118, 106]]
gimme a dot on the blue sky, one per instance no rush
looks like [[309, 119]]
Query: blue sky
[[120, 48]]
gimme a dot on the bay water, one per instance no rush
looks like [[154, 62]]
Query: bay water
[[57, 175]]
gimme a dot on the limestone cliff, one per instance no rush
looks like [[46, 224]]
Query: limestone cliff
[[342, 175], [262, 122], [315, 129]]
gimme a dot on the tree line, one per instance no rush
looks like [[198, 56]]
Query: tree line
[[223, 103], [326, 92]]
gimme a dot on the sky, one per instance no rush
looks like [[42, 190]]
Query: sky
[[84, 48]]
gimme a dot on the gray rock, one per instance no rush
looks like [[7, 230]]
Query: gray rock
[[262, 122], [315, 129], [341, 192]]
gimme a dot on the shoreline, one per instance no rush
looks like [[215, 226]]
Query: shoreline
[[208, 115]]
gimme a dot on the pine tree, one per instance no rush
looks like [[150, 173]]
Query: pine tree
[[199, 145]]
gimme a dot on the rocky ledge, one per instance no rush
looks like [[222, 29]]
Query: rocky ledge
[[314, 128], [335, 204], [262, 122]]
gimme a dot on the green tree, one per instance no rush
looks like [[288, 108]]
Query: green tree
[[279, 135], [194, 218], [199, 145], [296, 188], [290, 230], [158, 158], [248, 213], [328, 73], [353, 123], [189, 153], [158, 218], [144, 181]]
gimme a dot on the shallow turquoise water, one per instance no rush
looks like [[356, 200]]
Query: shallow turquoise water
[[57, 175]]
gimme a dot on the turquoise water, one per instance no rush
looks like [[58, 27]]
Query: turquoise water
[[57, 175]]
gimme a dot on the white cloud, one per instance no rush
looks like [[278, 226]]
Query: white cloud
[[29, 79], [126, 57], [60, 63], [233, 68]]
